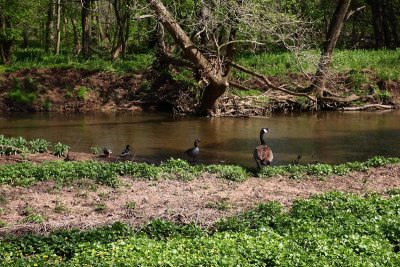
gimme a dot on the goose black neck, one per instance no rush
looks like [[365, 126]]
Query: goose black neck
[[195, 144], [262, 138]]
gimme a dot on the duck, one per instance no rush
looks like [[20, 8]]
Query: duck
[[262, 153], [125, 152], [107, 152], [194, 151]]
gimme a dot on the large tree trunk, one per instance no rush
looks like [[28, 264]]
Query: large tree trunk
[[6, 44], [85, 28], [58, 27], [77, 43], [217, 83], [334, 30], [122, 16], [49, 25]]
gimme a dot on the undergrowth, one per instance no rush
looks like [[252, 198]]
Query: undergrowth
[[333, 229], [27, 173], [32, 58], [19, 145]]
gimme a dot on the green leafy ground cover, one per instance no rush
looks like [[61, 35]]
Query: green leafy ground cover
[[334, 229], [19, 145], [27, 173]]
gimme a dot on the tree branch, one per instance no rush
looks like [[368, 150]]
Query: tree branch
[[369, 106], [238, 86], [352, 12], [269, 83]]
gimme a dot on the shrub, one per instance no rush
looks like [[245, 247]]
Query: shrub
[[60, 150]]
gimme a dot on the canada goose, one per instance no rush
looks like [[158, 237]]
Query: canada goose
[[125, 152], [263, 154], [297, 160], [193, 152], [107, 152]]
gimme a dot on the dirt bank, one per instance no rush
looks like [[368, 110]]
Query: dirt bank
[[74, 90], [203, 200]]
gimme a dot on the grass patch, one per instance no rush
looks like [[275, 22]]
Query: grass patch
[[100, 207], [130, 205], [60, 207], [384, 63], [32, 58]]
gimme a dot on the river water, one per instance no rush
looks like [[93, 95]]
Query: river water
[[332, 137]]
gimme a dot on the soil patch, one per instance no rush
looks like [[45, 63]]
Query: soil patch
[[202, 201]]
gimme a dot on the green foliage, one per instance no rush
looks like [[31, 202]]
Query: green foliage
[[334, 229], [60, 150], [322, 170], [25, 174], [219, 205], [18, 145], [31, 58], [31, 216], [39, 146], [60, 207], [383, 63], [47, 105], [100, 207], [130, 205], [21, 97], [82, 93], [381, 95], [95, 150], [229, 172], [13, 145], [357, 80], [2, 224], [243, 93]]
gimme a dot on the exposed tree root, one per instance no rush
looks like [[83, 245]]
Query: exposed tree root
[[369, 106]]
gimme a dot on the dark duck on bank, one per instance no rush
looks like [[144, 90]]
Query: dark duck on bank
[[126, 151], [263, 154], [107, 152], [193, 152]]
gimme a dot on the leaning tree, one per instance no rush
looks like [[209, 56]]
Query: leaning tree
[[209, 36]]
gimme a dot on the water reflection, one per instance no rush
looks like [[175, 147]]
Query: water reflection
[[328, 137]]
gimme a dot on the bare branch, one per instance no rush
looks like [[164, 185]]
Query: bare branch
[[269, 83], [369, 106], [352, 12]]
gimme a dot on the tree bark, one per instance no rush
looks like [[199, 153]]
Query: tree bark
[[85, 28], [77, 43], [217, 83], [334, 30], [122, 16], [6, 44], [58, 27], [49, 26]]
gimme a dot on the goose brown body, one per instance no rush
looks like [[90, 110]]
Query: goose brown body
[[263, 154], [193, 152]]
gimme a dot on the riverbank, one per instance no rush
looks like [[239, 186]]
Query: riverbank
[[64, 84], [47, 206], [41, 196]]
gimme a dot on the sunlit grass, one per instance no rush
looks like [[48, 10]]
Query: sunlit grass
[[384, 63], [38, 58]]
